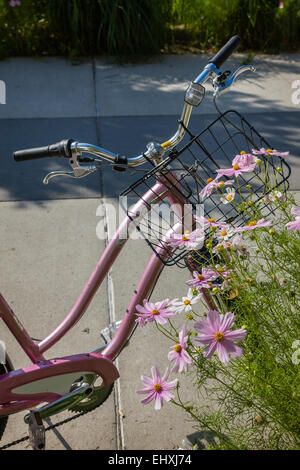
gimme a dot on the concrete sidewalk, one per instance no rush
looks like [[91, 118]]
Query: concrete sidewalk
[[48, 234]]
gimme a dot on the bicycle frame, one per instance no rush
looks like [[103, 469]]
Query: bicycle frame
[[16, 393]]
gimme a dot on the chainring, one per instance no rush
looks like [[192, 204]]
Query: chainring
[[98, 396]]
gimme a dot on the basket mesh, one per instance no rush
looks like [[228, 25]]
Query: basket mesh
[[212, 149]]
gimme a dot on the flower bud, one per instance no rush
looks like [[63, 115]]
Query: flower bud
[[259, 419]]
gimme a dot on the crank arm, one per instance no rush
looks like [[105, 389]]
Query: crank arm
[[62, 403]]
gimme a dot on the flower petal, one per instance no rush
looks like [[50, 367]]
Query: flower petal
[[155, 375], [227, 322], [232, 348], [209, 351], [236, 335], [149, 398], [222, 352]]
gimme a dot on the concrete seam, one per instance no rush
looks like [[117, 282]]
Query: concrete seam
[[97, 117], [120, 437]]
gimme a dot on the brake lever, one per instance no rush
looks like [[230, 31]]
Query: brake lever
[[79, 171], [222, 85]]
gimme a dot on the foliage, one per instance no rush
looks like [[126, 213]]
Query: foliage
[[82, 27], [252, 401], [132, 27], [262, 24]]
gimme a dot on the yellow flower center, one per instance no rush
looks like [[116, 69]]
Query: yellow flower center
[[157, 387], [219, 336], [200, 277], [187, 302], [220, 248], [210, 283], [220, 270], [251, 224], [269, 150], [177, 348], [184, 238], [221, 183], [211, 220], [242, 152], [236, 167], [209, 180], [155, 312], [223, 233], [229, 197]]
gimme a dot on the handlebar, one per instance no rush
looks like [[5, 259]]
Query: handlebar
[[60, 149], [70, 149], [226, 51]]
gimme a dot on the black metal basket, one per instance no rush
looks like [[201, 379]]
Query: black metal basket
[[212, 149]]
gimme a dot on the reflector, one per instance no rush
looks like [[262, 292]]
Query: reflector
[[194, 94]]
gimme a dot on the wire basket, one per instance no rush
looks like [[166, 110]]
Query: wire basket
[[197, 161]]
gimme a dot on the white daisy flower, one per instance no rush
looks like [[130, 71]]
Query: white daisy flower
[[186, 302], [225, 234], [229, 196]]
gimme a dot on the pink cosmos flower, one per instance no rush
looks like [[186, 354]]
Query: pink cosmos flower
[[295, 224], [274, 196], [223, 271], [281, 5], [179, 353], [159, 312], [269, 152], [213, 184], [214, 333], [209, 222], [157, 388], [202, 280], [14, 3], [236, 243], [240, 164], [253, 225], [190, 240]]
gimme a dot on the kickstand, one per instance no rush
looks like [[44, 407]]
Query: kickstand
[[36, 431]]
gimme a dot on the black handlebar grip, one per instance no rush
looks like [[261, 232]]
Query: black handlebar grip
[[60, 149], [226, 51]]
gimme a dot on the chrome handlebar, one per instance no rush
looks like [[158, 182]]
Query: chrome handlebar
[[155, 151]]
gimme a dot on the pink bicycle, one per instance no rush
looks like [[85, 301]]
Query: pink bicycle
[[48, 387]]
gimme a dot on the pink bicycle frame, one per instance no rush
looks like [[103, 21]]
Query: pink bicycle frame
[[100, 364]]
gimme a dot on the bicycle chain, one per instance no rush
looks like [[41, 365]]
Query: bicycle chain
[[25, 438]]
